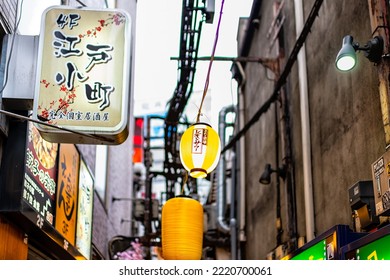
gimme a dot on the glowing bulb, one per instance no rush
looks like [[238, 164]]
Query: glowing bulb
[[346, 63]]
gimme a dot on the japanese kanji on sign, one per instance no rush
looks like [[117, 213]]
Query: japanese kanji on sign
[[83, 75]]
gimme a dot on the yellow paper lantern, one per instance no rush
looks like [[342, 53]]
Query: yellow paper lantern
[[182, 229], [200, 149]]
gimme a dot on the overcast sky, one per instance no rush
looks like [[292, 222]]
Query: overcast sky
[[157, 40], [158, 30]]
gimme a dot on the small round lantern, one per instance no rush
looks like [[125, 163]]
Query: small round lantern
[[200, 149], [182, 229]]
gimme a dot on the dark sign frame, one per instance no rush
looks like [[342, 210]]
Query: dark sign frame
[[350, 248], [344, 235], [12, 204]]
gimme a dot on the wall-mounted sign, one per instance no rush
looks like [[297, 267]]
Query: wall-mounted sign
[[138, 141], [67, 187], [42, 191], [85, 211], [83, 75], [374, 246], [376, 250], [315, 252], [327, 245], [40, 178]]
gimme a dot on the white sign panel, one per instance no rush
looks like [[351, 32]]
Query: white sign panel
[[83, 75]]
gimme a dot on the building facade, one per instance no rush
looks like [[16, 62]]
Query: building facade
[[108, 168], [305, 134], [319, 129]]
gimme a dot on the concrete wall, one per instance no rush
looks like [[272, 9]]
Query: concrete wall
[[345, 119], [259, 141], [347, 133]]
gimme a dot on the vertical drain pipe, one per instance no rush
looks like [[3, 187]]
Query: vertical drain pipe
[[240, 162], [221, 172], [233, 219], [305, 120]]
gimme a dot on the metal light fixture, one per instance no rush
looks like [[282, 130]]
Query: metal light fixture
[[265, 177], [346, 58]]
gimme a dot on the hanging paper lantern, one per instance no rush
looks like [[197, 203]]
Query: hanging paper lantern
[[200, 149], [182, 229]]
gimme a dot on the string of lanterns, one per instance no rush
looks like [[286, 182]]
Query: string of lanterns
[[182, 216]]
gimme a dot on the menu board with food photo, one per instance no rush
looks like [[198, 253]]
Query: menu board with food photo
[[41, 175]]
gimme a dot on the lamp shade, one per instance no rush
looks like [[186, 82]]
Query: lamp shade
[[182, 229], [200, 148], [346, 58]]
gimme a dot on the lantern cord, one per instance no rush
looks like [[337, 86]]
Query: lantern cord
[[184, 182], [206, 86]]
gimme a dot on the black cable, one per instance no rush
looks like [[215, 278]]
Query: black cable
[[25, 118], [279, 228], [81, 3]]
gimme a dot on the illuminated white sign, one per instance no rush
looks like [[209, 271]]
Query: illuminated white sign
[[83, 75]]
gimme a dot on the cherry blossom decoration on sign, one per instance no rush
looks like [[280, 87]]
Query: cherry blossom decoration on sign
[[83, 75]]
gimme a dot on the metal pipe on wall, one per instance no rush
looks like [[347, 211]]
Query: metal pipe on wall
[[148, 188], [240, 155], [233, 219], [278, 222], [221, 172], [305, 120]]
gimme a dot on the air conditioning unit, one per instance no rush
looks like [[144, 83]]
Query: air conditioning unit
[[362, 202]]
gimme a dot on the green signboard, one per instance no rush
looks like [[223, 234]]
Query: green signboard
[[315, 252], [376, 250]]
